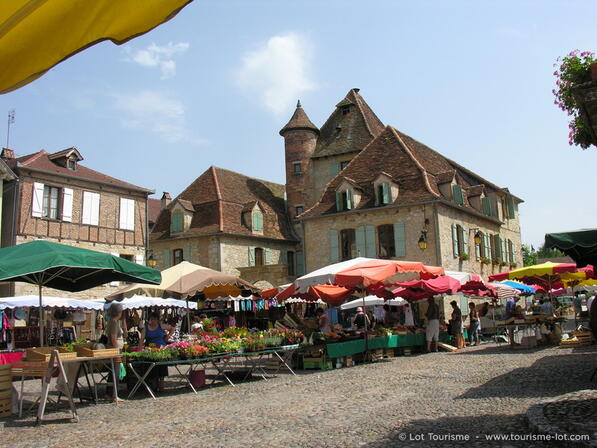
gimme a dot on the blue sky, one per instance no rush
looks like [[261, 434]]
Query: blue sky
[[214, 85]]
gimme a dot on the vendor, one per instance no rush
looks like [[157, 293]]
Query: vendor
[[456, 324], [198, 323], [546, 307], [432, 328], [231, 321], [323, 321], [361, 320], [156, 332]]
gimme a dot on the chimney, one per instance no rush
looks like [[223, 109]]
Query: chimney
[[166, 199], [7, 154]]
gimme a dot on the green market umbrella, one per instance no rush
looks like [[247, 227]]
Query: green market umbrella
[[580, 245], [67, 268]]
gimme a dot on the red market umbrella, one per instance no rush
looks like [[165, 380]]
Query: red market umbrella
[[438, 285], [331, 294]]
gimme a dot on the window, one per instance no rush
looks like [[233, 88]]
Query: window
[[177, 221], [382, 194], [290, 262], [459, 240], [257, 221], [457, 194], [298, 210], [343, 200], [347, 244], [177, 256], [91, 205], [385, 239], [344, 164], [296, 167], [71, 164], [510, 208], [51, 202], [259, 258], [127, 214], [486, 203], [345, 110]]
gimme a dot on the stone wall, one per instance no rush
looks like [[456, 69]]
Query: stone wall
[[201, 250], [273, 274], [25, 289], [299, 146], [322, 173], [235, 252], [317, 237]]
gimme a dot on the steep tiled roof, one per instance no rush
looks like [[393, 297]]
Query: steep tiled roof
[[299, 120], [41, 161], [154, 207], [220, 196], [350, 132], [417, 168]]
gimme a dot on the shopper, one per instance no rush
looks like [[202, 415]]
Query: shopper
[[432, 328], [474, 329], [546, 307], [361, 320], [456, 324], [323, 321], [231, 321], [115, 336]]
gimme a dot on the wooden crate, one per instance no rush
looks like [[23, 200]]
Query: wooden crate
[[5, 390], [86, 350], [44, 353]]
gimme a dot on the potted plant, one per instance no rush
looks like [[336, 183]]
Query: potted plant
[[485, 260], [571, 71], [463, 257], [503, 263], [513, 265]]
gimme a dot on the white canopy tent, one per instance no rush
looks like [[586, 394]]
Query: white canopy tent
[[48, 302], [140, 302], [372, 301]]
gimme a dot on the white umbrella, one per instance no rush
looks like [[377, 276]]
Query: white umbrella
[[48, 302], [139, 302], [372, 301]]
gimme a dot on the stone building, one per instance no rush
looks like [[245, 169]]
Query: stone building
[[56, 198], [359, 188], [228, 222]]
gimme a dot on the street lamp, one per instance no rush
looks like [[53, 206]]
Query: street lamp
[[151, 262], [423, 240], [478, 237]]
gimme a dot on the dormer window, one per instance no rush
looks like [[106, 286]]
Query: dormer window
[[177, 221], [257, 220], [457, 194], [382, 194], [345, 110], [344, 164], [386, 189], [344, 200], [71, 164]]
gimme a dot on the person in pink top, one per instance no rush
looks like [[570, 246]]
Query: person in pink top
[[324, 321]]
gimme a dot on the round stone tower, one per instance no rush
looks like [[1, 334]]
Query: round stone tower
[[300, 137]]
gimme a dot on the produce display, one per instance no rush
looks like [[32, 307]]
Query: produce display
[[212, 343]]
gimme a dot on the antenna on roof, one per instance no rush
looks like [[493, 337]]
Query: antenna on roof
[[11, 120]]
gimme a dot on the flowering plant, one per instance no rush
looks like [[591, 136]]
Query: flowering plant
[[572, 70]]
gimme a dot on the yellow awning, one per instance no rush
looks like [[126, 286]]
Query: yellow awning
[[35, 35]]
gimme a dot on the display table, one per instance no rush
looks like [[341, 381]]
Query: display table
[[10, 357], [349, 348]]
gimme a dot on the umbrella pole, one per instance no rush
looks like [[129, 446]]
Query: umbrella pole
[[42, 324], [366, 329], [188, 317]]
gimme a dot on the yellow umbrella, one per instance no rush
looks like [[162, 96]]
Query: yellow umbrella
[[35, 35]]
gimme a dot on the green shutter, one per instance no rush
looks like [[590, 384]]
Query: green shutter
[[486, 206], [338, 201], [385, 188], [486, 251], [464, 240], [457, 192], [348, 199], [464, 304], [166, 257], [185, 254], [334, 249], [498, 247], [334, 169], [491, 245], [400, 239], [268, 256], [514, 258], [370, 242], [177, 222], [510, 203], [360, 239], [257, 218], [455, 248], [251, 255], [300, 264]]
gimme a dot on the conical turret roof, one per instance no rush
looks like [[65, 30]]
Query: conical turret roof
[[299, 121]]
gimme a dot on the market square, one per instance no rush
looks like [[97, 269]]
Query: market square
[[209, 236]]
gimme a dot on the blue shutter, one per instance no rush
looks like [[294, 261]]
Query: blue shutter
[[464, 240], [348, 199], [464, 304], [455, 247], [300, 264], [166, 257], [486, 206], [399, 239], [510, 205], [251, 255], [457, 193], [360, 239], [334, 169], [185, 254], [268, 256], [334, 249], [370, 242], [338, 201], [385, 193]]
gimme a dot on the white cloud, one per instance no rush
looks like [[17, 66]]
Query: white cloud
[[157, 112], [278, 72], [159, 56]]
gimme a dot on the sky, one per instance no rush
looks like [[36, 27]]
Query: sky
[[214, 85]]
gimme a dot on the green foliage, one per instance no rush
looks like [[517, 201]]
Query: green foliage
[[531, 256]]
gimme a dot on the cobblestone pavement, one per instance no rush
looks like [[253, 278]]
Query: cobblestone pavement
[[483, 390]]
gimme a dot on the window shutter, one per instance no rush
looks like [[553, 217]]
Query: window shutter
[[455, 247], [268, 256], [131, 215], [498, 247], [349, 199], [491, 247], [115, 254], [486, 206], [457, 192], [95, 209], [510, 203], [37, 205], [486, 252], [385, 192], [251, 255], [334, 249], [166, 257], [464, 237], [139, 259], [370, 242], [504, 249], [87, 207], [360, 240], [123, 212], [514, 257], [400, 239], [67, 204], [338, 201], [334, 169], [464, 304], [186, 254], [300, 264]]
